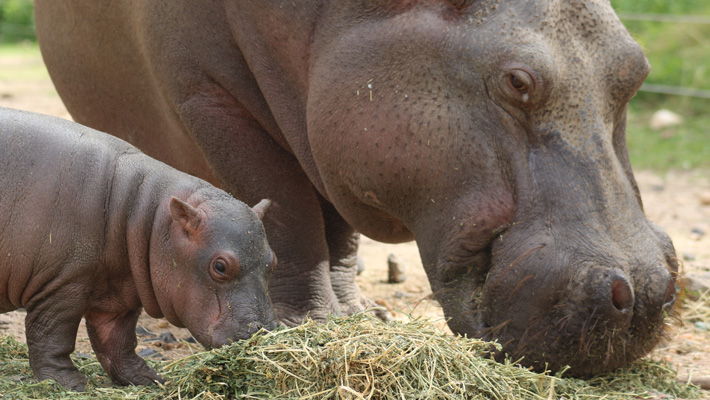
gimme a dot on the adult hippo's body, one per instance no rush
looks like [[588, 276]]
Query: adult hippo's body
[[491, 132]]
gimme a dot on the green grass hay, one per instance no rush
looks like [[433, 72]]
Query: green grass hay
[[357, 357]]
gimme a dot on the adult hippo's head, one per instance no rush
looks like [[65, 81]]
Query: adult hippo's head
[[493, 133]]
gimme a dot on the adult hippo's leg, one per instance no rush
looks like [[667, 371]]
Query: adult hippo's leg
[[343, 243], [252, 166]]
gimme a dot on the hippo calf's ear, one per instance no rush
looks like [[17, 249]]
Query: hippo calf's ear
[[185, 214], [261, 208]]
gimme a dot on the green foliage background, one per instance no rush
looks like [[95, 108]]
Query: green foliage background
[[679, 54], [16, 21]]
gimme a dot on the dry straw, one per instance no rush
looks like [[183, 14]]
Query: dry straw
[[358, 357]]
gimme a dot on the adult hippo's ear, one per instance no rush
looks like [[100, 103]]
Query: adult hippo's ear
[[186, 215], [261, 208]]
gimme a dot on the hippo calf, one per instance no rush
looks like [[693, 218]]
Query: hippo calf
[[92, 227]]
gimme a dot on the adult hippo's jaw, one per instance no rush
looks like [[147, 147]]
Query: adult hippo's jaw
[[559, 290], [509, 167]]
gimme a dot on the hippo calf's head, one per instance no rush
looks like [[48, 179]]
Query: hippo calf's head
[[213, 277], [493, 133]]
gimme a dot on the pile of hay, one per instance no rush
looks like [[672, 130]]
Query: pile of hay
[[358, 357]]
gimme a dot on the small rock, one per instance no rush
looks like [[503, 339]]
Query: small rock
[[190, 340], [163, 323], [395, 270], [143, 331], [705, 198], [387, 306], [414, 289], [148, 352], [702, 381], [695, 284], [400, 295], [167, 337], [663, 118], [696, 234], [658, 395], [688, 257], [360, 265], [701, 325]]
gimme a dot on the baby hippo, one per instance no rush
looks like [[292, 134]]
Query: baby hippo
[[91, 227]]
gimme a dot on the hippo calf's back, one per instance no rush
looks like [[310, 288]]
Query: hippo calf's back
[[56, 185]]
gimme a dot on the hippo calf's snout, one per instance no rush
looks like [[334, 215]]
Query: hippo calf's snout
[[238, 325]]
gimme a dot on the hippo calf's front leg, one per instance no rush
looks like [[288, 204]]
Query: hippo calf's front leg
[[113, 337]]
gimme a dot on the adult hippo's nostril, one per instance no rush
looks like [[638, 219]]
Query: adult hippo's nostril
[[621, 295], [669, 300]]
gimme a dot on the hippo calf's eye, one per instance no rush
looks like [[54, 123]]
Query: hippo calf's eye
[[222, 270]]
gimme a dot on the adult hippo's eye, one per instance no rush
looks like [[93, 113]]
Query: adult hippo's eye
[[520, 81], [522, 86]]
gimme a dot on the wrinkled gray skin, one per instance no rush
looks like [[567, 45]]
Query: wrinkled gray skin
[[91, 227], [491, 132]]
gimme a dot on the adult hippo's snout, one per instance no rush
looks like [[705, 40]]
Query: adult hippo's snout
[[555, 299], [558, 307], [571, 274]]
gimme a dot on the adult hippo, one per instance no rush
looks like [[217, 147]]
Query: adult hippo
[[491, 132]]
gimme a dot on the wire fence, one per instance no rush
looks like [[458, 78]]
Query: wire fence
[[674, 19], [28, 32], [681, 19]]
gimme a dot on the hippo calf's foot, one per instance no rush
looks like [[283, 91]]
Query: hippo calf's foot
[[114, 340], [130, 370]]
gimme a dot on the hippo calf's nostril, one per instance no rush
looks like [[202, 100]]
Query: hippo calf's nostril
[[621, 295]]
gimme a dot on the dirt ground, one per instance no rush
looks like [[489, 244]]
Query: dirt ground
[[673, 200]]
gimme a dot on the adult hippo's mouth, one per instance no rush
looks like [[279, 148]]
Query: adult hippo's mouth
[[554, 300]]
